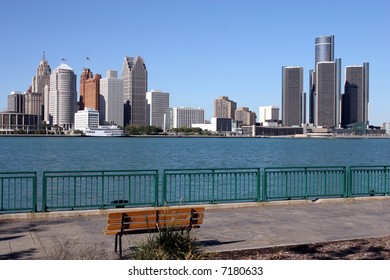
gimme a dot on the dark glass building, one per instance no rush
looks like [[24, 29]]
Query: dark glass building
[[356, 95], [293, 101]]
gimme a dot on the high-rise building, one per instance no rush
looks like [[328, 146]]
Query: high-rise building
[[16, 102], [356, 95], [293, 97], [324, 49], [89, 89], [62, 97], [244, 116], [325, 85], [111, 99], [224, 108], [35, 99], [135, 85], [185, 117], [157, 109]]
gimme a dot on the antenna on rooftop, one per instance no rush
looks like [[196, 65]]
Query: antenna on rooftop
[[86, 61], [44, 55]]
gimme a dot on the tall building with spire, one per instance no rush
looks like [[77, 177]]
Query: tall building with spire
[[35, 97], [89, 90], [62, 97], [293, 97], [325, 85], [135, 86]]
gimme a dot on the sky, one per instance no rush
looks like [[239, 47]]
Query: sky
[[197, 50]]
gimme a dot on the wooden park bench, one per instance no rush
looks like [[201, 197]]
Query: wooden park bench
[[153, 220]]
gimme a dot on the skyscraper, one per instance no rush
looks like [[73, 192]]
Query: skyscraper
[[356, 95], [293, 97], [111, 99], [62, 97], [325, 85], [157, 109], [135, 84], [35, 99], [89, 89], [185, 117], [224, 108]]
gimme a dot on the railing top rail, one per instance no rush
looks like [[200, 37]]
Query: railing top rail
[[206, 170], [356, 167], [304, 168], [100, 172], [20, 173]]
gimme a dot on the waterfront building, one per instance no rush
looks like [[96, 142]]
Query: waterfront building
[[85, 118], [35, 99], [157, 109], [111, 99], [62, 97], [16, 102], [216, 125], [89, 89], [293, 97], [245, 117], [356, 95], [386, 127], [11, 122], [224, 108], [268, 115], [185, 116], [325, 85], [135, 84]]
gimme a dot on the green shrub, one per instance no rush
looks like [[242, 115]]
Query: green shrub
[[168, 244]]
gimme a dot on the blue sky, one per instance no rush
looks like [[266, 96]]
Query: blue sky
[[197, 50]]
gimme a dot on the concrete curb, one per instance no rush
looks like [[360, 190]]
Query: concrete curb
[[99, 212]]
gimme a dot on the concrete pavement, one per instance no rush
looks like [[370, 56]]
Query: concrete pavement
[[55, 235]]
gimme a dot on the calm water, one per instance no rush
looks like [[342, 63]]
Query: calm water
[[82, 153]]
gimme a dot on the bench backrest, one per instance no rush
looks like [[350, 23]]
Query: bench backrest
[[139, 221]]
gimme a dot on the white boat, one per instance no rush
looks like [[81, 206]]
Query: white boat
[[111, 130]]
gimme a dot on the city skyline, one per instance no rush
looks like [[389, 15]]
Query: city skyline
[[200, 51]]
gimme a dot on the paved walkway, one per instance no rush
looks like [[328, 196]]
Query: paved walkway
[[226, 227]]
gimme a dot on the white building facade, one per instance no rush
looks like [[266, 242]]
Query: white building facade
[[86, 118], [185, 117], [111, 99], [268, 113], [62, 97], [157, 109]]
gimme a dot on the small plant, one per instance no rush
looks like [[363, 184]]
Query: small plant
[[168, 244], [73, 250]]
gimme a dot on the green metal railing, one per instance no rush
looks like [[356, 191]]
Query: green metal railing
[[18, 191], [99, 189], [369, 180], [108, 189], [210, 185], [304, 182]]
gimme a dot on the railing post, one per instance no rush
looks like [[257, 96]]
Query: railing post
[[164, 189], [264, 195], [213, 187], [102, 191], [44, 192], [306, 196], [35, 190], [156, 181], [258, 185]]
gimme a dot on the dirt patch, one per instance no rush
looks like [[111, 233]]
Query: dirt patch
[[359, 249]]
